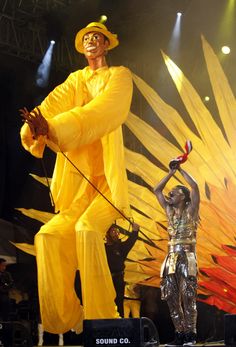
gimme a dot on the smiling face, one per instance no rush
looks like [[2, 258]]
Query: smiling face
[[95, 45]]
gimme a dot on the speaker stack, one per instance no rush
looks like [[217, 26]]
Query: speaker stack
[[14, 334], [124, 332]]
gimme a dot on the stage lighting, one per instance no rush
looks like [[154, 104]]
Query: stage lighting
[[175, 37], [42, 76], [103, 18], [52, 42], [207, 98], [225, 49]]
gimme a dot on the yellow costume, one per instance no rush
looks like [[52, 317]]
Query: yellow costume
[[84, 115], [132, 300]]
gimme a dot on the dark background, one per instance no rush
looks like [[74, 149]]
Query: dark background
[[144, 29]]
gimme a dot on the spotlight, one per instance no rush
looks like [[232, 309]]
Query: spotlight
[[175, 37], [52, 42], [42, 76], [207, 98], [103, 18], [225, 49]]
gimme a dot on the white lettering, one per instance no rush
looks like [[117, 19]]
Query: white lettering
[[106, 341], [124, 340]]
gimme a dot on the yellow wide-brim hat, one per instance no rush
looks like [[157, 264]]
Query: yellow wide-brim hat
[[97, 27]]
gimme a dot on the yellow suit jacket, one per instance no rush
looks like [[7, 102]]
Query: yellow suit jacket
[[85, 114]]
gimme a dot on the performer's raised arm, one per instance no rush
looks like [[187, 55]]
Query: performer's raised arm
[[158, 189], [179, 270], [194, 193]]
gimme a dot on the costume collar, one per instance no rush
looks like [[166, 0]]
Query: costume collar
[[90, 72]]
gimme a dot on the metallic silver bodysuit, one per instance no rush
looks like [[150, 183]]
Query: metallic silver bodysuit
[[179, 271]]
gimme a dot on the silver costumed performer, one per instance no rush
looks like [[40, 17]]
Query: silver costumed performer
[[179, 269]]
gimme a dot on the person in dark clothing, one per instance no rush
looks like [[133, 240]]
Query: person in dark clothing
[[117, 252], [6, 283]]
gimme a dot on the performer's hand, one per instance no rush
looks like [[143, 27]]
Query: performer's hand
[[174, 164], [37, 123], [135, 227], [172, 172]]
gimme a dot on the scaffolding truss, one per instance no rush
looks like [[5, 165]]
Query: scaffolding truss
[[23, 31]]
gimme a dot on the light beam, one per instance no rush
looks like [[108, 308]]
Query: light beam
[[43, 71]]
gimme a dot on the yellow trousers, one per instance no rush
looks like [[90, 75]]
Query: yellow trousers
[[132, 307], [71, 240]]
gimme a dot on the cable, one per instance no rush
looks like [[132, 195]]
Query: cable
[[119, 211]]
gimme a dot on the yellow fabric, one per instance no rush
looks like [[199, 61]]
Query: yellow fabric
[[77, 119], [84, 114], [132, 301], [132, 308], [60, 251], [132, 291]]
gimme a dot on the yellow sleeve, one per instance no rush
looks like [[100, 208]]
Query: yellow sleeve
[[106, 112], [35, 147], [59, 100]]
